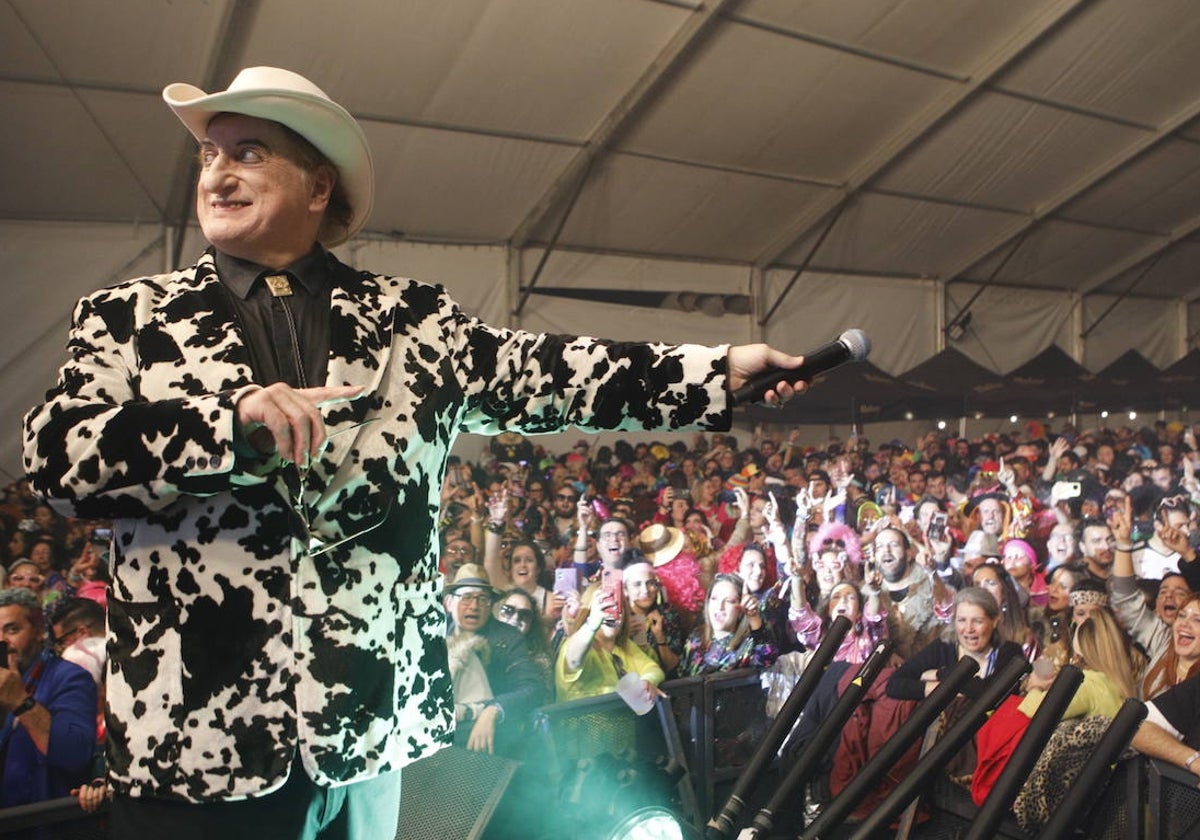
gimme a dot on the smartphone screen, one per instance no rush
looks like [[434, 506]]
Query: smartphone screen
[[566, 580], [937, 527], [610, 582]]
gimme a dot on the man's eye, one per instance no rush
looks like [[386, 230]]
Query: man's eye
[[249, 156]]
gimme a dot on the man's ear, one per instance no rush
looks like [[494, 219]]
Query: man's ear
[[323, 181]]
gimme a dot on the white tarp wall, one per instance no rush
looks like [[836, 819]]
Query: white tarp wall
[[51, 265]]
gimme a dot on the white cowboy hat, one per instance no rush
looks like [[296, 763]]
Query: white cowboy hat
[[288, 98]]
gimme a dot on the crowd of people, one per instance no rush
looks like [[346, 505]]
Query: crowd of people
[[635, 564], [53, 591], [619, 568]]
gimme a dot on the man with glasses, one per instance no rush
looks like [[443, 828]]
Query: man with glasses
[[457, 551], [492, 724], [1060, 546]]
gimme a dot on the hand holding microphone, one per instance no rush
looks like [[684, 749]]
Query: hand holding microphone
[[851, 346]]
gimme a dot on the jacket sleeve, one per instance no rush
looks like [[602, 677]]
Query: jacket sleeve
[[542, 382], [906, 683], [72, 707], [523, 687], [1139, 621], [97, 448]]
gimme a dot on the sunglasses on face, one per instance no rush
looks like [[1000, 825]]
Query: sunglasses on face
[[565, 497], [461, 549], [522, 614]]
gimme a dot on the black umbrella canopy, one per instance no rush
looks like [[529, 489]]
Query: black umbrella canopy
[[1181, 382], [1129, 382], [1050, 381], [956, 385]]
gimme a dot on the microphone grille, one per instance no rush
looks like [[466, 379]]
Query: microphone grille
[[857, 342]]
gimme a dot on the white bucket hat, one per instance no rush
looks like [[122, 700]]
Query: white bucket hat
[[288, 98]]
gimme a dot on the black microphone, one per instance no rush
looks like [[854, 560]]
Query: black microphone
[[851, 346]]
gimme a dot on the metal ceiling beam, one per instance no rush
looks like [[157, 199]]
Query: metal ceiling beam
[[694, 32], [1073, 191], [226, 58], [1039, 25]]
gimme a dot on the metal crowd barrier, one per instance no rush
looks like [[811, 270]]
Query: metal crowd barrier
[[55, 819]]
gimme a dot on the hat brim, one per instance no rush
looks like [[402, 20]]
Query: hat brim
[[322, 122], [470, 583], [669, 551]]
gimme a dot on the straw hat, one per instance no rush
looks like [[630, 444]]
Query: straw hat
[[660, 543], [470, 575]]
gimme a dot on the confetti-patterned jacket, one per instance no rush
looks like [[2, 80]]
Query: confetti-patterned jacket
[[252, 615]]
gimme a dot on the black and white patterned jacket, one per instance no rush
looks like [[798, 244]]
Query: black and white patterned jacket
[[249, 620]]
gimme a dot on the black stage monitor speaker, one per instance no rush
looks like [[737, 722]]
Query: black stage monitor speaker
[[452, 793]]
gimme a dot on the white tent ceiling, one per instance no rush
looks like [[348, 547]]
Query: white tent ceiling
[[1049, 149]]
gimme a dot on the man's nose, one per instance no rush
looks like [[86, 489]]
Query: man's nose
[[217, 175]]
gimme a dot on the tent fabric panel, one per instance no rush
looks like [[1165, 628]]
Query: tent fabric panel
[[1009, 326], [549, 68], [950, 36], [1000, 151], [590, 270], [433, 180], [1173, 273], [1113, 58], [132, 43], [639, 205], [1057, 254], [1152, 193], [787, 95], [897, 315], [68, 151], [897, 235], [629, 323], [1151, 326]]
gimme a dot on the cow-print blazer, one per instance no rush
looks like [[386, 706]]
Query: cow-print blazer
[[255, 610]]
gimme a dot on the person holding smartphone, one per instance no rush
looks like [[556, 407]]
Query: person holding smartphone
[[47, 709], [599, 651]]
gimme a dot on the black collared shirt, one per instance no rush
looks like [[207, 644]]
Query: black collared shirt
[[311, 282]]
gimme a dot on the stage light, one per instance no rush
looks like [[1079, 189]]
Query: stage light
[[653, 823], [941, 425], [1049, 415], [1133, 415], [1013, 418], [908, 415], [1103, 415]]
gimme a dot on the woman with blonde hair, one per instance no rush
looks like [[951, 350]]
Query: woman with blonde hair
[[599, 651]]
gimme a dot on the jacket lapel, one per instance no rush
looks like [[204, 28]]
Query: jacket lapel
[[199, 343]]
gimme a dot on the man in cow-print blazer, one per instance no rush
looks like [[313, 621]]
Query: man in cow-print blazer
[[275, 601]]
